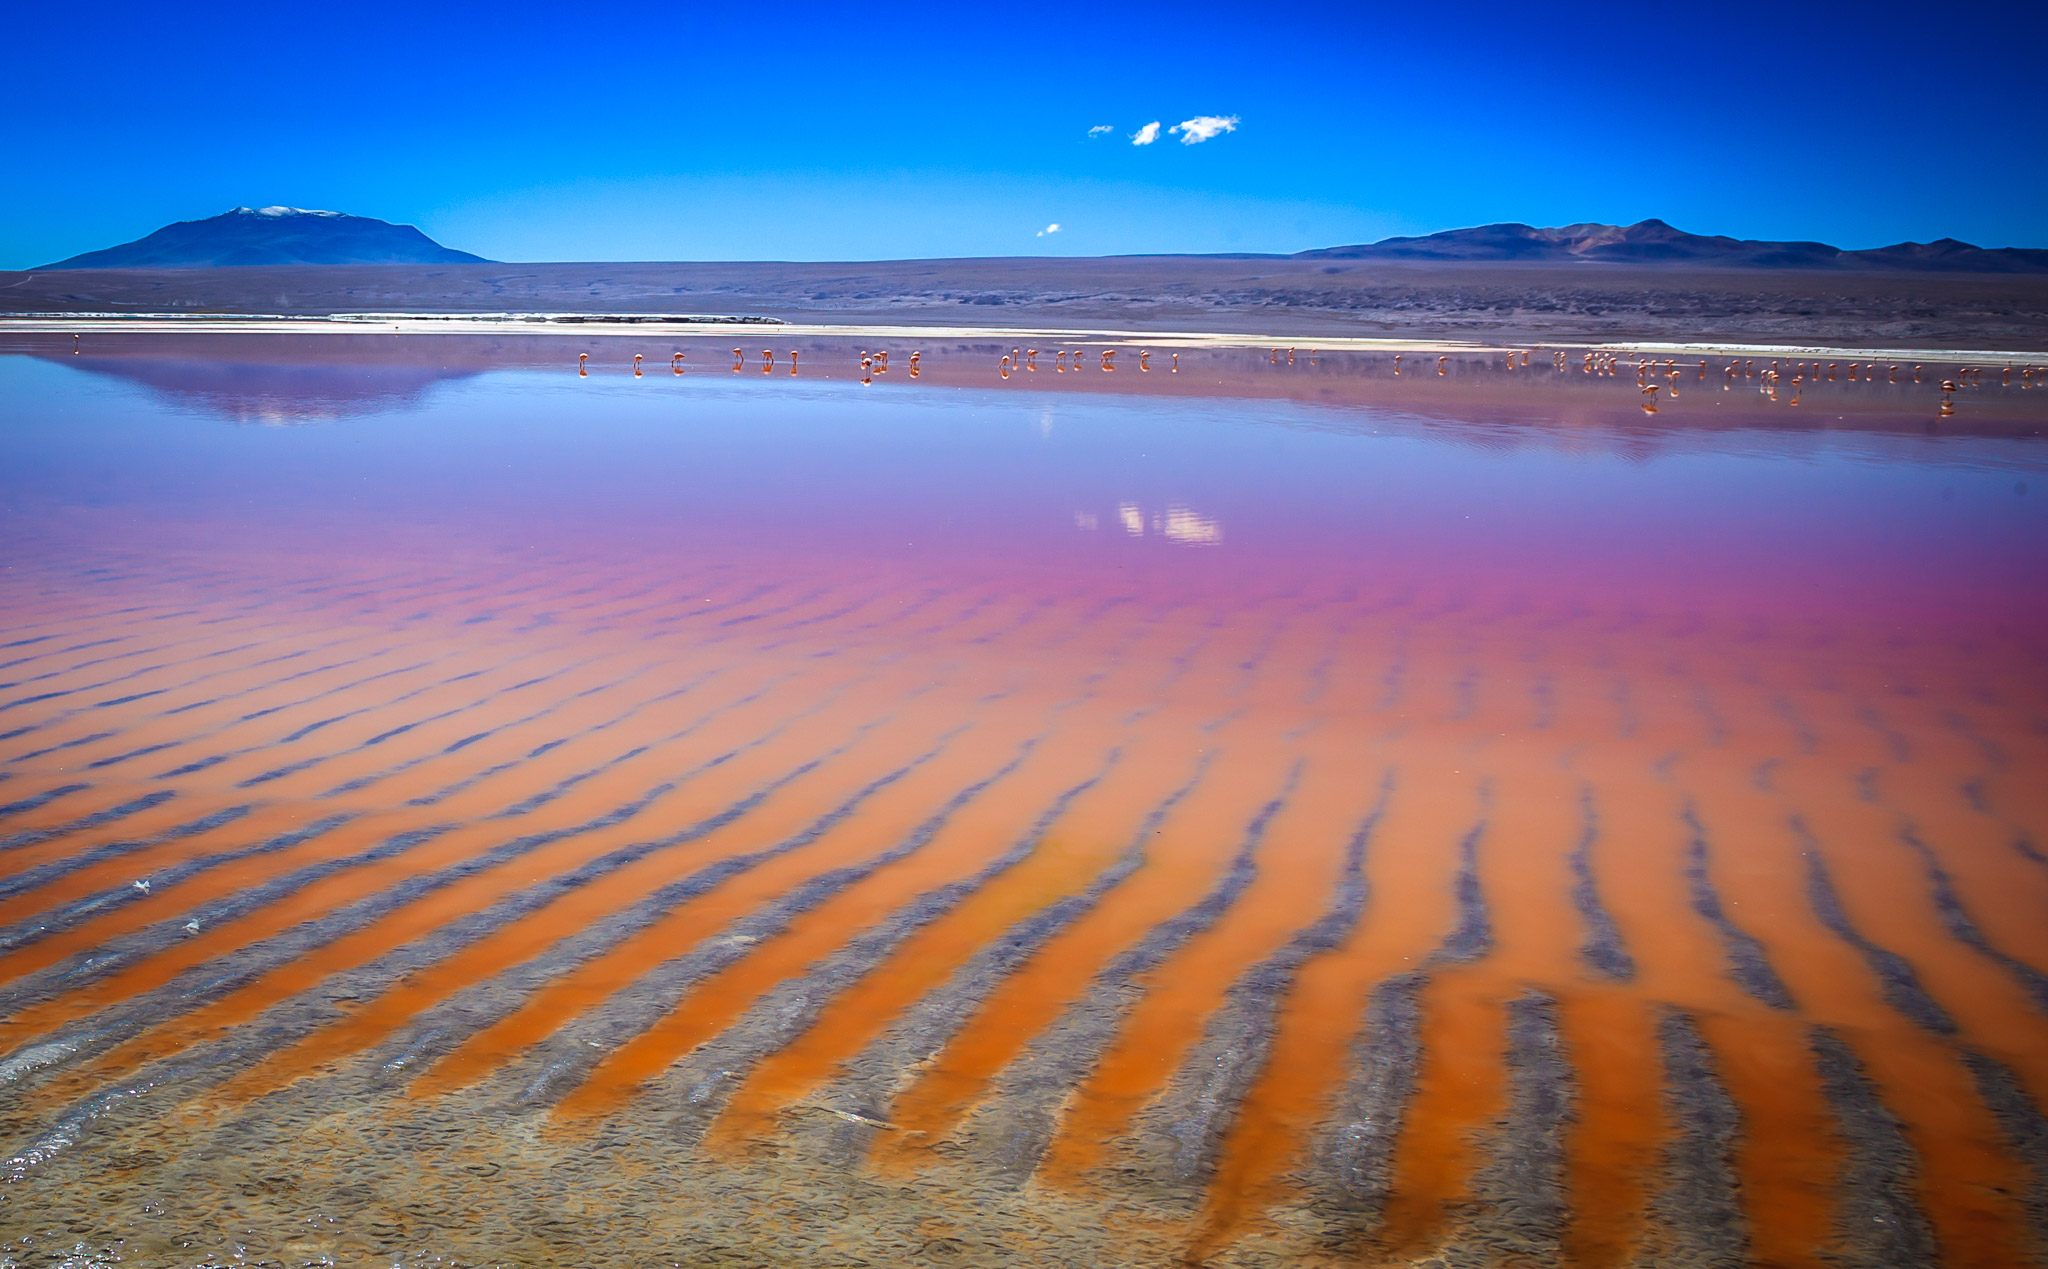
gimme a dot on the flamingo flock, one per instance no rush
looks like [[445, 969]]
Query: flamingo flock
[[1783, 380]]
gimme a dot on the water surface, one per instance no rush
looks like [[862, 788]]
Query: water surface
[[454, 810]]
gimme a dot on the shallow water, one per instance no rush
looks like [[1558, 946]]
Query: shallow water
[[457, 811]]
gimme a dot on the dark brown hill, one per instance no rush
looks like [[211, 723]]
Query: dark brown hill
[[1652, 242]]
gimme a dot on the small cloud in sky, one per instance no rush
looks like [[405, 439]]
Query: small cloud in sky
[[1102, 130], [1201, 128], [1053, 228], [1147, 134]]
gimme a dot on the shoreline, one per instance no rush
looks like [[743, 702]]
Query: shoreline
[[675, 326]]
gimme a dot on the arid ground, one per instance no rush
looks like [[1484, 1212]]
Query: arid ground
[[1296, 298]]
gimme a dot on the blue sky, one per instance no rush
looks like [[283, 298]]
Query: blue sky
[[528, 132]]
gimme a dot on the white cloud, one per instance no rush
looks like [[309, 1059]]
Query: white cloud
[[1053, 228], [1102, 130], [1202, 127], [1147, 134], [1190, 528]]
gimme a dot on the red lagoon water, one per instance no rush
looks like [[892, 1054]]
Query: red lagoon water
[[456, 808]]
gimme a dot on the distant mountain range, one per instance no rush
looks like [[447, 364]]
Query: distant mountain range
[[293, 236], [1652, 242], [273, 235]]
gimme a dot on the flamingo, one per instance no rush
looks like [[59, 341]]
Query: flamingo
[[1397, 364], [1030, 358], [1144, 362], [581, 373], [636, 365], [675, 363], [74, 345], [1290, 356], [1440, 365], [767, 360], [737, 358], [1006, 367], [1176, 363], [792, 361], [1109, 359]]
